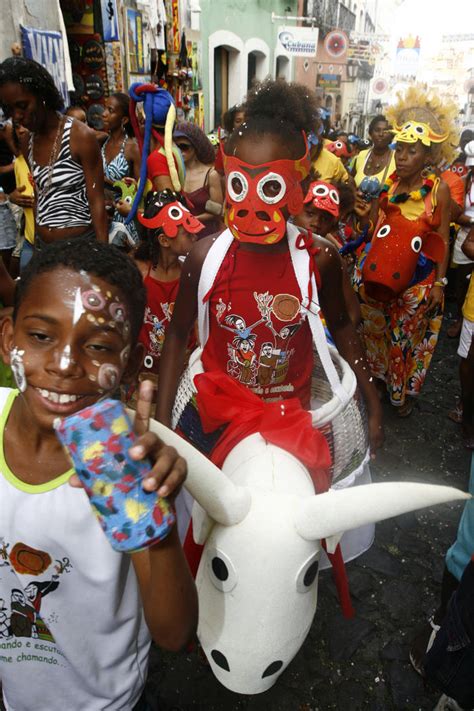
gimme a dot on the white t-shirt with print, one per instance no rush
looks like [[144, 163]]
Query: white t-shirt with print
[[72, 630]]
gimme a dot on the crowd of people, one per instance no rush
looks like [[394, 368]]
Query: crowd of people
[[233, 247]]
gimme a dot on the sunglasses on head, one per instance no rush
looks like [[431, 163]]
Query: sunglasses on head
[[183, 146]]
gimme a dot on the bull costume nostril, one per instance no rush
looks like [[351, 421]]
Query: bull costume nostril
[[221, 660], [373, 267], [396, 275], [272, 668]]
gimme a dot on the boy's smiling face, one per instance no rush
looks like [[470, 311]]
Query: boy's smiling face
[[72, 336]]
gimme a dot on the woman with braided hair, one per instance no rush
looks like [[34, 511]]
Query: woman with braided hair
[[63, 155]]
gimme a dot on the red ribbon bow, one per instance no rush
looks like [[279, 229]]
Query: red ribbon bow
[[285, 423]]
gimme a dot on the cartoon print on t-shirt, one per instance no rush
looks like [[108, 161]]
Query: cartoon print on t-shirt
[[24, 619], [271, 365], [156, 334]]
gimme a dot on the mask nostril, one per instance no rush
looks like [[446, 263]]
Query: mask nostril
[[220, 660], [272, 668], [263, 216], [373, 267], [396, 275], [242, 213]]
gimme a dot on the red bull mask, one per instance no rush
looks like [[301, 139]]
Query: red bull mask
[[256, 195], [171, 218], [323, 196]]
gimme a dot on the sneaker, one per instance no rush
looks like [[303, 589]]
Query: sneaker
[[446, 703]]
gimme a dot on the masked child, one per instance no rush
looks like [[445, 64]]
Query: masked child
[[80, 615], [254, 297], [320, 215], [172, 231]]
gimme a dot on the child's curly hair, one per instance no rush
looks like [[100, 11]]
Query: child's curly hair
[[281, 109]]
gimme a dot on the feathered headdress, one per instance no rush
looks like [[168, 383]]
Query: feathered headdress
[[419, 106], [160, 112]]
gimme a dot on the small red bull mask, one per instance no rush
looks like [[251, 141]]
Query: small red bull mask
[[256, 195], [323, 196], [339, 148], [173, 216]]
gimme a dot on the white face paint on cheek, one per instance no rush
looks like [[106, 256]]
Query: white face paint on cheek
[[108, 376], [65, 360], [18, 368]]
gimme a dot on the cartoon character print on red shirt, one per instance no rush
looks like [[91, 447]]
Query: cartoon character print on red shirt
[[156, 334], [256, 361]]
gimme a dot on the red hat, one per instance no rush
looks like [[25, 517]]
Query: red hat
[[324, 196]]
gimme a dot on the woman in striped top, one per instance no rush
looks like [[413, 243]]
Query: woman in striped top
[[63, 154]]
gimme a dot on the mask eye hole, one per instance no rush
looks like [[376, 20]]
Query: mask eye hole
[[384, 231], [271, 189], [407, 126], [320, 191], [334, 196], [419, 129], [416, 244], [221, 570], [128, 200], [237, 186], [175, 213], [308, 574]]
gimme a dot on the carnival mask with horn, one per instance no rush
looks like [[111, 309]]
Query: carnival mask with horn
[[413, 131]]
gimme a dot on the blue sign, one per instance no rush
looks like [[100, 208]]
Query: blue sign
[[46, 47], [109, 21]]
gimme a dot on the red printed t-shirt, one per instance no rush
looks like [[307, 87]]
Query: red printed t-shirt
[[161, 296], [257, 333]]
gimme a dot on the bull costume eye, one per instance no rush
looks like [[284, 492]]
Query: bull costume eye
[[416, 244], [271, 189], [175, 213], [307, 574], [334, 196], [237, 186], [221, 571], [384, 231]]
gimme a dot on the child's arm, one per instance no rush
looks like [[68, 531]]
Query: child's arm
[[177, 334], [346, 339], [167, 588]]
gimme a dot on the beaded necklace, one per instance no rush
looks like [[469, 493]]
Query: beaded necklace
[[416, 195]]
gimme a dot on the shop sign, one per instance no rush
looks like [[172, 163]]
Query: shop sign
[[109, 20], [328, 81], [298, 41], [46, 47]]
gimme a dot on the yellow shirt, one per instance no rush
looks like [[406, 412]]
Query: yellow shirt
[[468, 307], [361, 161], [23, 178], [330, 168]]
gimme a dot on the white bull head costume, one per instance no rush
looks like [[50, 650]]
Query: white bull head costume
[[261, 524]]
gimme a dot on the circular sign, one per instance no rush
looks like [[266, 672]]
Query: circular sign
[[94, 87], [93, 54], [94, 116], [379, 85], [335, 43], [78, 81]]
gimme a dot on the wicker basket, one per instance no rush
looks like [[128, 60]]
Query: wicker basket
[[344, 427]]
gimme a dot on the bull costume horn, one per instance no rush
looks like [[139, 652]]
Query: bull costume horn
[[222, 500], [335, 511]]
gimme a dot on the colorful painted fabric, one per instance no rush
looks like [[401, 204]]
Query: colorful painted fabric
[[400, 337], [98, 439]]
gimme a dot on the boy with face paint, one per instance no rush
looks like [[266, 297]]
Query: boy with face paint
[[171, 233], [72, 339]]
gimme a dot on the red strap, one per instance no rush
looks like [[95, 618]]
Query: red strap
[[340, 579], [306, 241]]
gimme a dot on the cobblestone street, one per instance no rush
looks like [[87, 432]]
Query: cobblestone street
[[362, 663]]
